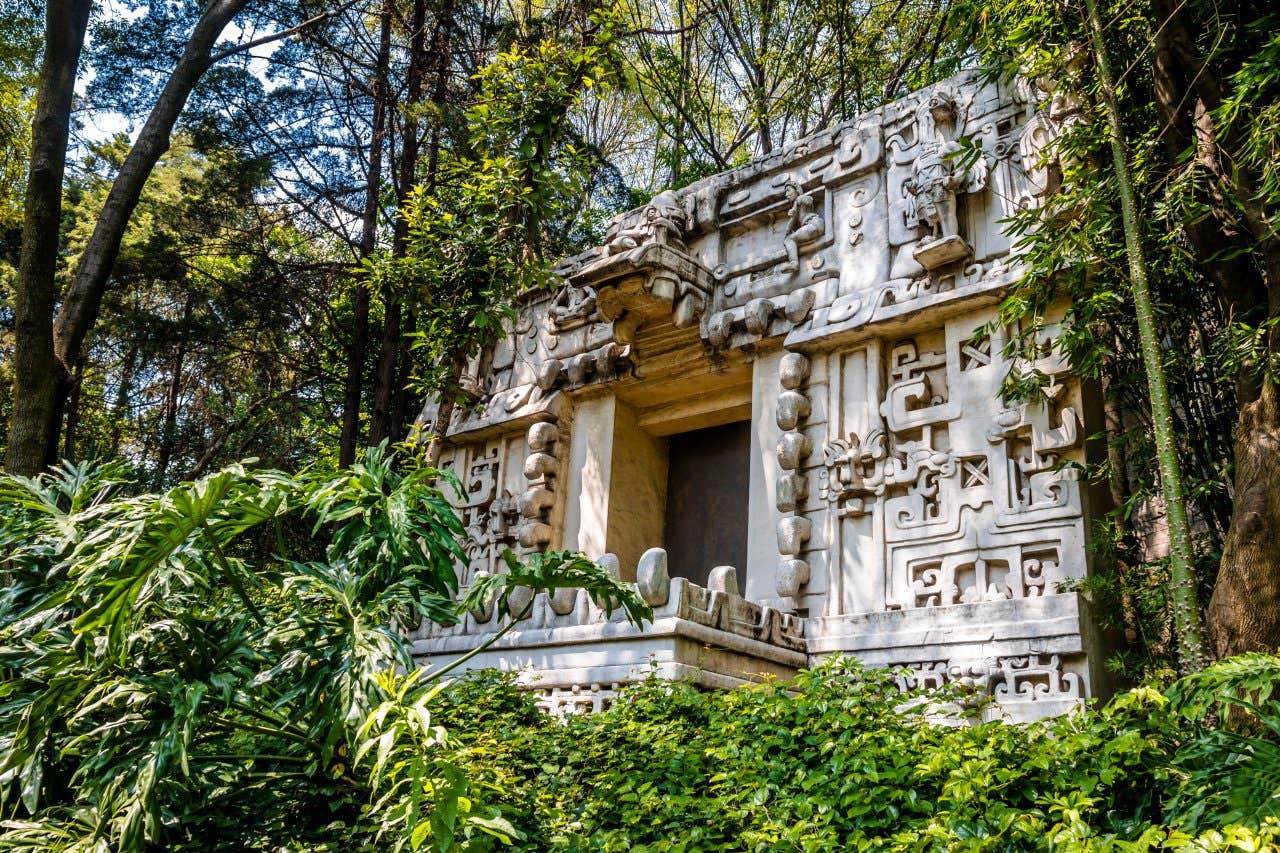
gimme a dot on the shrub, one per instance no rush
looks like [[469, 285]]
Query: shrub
[[177, 672], [223, 667], [830, 761]]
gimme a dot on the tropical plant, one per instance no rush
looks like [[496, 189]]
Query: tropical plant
[[224, 667], [203, 667], [1234, 769], [833, 760]]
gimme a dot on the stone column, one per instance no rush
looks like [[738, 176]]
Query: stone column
[[588, 477], [616, 484], [762, 516]]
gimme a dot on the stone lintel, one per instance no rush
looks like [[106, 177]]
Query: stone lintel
[[497, 419]]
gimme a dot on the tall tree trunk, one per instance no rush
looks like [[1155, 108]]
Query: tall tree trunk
[[1243, 613], [83, 299], [169, 423], [1117, 459], [677, 133], [441, 58], [1183, 596], [401, 400], [385, 387], [38, 376], [353, 384], [760, 81], [1244, 264]]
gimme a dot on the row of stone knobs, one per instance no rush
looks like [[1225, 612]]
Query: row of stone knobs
[[794, 448], [534, 504]]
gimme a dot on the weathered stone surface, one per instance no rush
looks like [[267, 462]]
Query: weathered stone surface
[[840, 294], [652, 579], [724, 579], [713, 637]]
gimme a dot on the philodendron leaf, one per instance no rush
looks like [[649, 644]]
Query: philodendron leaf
[[552, 570]]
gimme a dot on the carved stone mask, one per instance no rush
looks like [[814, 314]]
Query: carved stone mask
[[943, 110]]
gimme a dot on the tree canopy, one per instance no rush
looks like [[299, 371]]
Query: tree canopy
[[249, 229]]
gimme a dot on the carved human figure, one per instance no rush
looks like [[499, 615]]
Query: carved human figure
[[573, 302], [663, 223], [934, 179], [804, 224]]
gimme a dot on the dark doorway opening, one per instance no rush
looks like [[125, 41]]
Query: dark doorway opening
[[708, 485]]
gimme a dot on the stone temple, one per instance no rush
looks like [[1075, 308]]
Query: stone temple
[[772, 400]]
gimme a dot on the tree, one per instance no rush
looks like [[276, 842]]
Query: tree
[[33, 421], [353, 380], [1220, 100], [390, 382], [217, 321], [1186, 607], [497, 214], [42, 383], [721, 81]]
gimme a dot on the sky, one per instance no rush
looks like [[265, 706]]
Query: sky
[[97, 125]]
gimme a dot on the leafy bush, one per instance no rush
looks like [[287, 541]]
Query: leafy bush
[[214, 667], [831, 762]]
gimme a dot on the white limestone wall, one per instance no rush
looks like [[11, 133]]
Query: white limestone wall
[[638, 482], [897, 502]]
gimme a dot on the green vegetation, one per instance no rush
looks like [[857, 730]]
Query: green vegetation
[[223, 666], [830, 761], [217, 665], [322, 211]]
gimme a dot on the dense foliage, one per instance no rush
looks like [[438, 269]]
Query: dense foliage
[[830, 761], [332, 211], [1195, 94], [225, 664]]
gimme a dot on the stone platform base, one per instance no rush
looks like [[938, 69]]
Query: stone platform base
[[1029, 655], [577, 660]]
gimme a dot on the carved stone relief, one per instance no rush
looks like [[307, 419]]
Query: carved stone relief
[[1011, 681], [572, 306], [953, 499], [918, 518], [937, 181], [1038, 144]]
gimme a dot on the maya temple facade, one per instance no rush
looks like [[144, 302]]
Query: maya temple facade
[[772, 401]]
